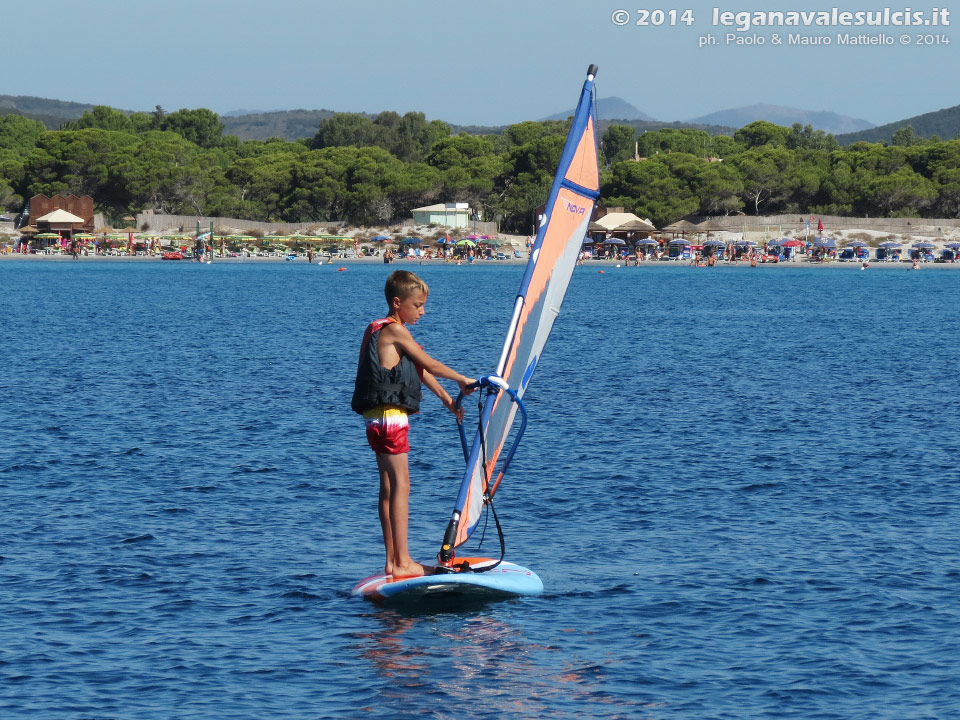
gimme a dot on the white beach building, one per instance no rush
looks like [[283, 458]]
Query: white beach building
[[452, 215]]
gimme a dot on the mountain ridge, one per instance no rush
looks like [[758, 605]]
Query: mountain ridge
[[829, 122], [293, 125]]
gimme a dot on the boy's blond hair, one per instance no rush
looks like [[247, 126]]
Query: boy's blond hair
[[401, 284]]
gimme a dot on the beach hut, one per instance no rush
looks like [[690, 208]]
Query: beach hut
[[680, 227], [60, 222], [708, 227], [626, 226]]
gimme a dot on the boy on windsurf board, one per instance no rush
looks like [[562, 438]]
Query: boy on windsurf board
[[390, 371]]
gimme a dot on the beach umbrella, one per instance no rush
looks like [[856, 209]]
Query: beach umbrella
[[890, 244], [792, 243], [919, 245], [614, 241], [492, 242], [410, 241], [954, 246], [380, 238], [467, 242], [823, 242], [858, 244], [679, 241], [713, 243], [647, 241]]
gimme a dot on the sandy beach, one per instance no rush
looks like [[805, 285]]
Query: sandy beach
[[604, 265], [842, 237]]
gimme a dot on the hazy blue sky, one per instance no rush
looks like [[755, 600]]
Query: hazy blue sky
[[485, 62]]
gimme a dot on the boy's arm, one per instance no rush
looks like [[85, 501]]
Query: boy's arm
[[398, 335], [437, 389]]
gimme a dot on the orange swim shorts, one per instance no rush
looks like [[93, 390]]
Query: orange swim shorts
[[387, 427]]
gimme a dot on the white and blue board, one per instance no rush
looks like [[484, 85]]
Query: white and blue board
[[503, 581]]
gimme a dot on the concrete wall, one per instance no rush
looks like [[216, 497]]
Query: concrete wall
[[159, 222], [832, 223]]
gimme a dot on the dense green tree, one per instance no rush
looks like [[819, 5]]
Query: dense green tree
[[719, 188], [675, 140], [18, 136], [722, 146], [468, 169], [262, 184], [74, 161], [838, 192], [344, 130], [618, 144], [762, 170], [650, 190], [948, 193], [19, 133], [163, 171], [901, 193], [104, 118], [200, 126], [806, 138], [760, 133], [527, 132], [409, 137], [906, 137], [413, 136], [525, 184]]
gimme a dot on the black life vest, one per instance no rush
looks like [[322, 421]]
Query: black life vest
[[375, 385]]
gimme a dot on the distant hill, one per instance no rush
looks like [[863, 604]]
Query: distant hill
[[287, 124], [829, 122], [296, 124], [642, 126], [52, 113], [945, 124], [611, 108]]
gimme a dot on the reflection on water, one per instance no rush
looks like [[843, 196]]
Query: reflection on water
[[488, 661]]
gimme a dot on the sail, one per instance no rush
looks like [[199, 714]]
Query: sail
[[552, 260]]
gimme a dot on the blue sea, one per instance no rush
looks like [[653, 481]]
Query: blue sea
[[739, 487]]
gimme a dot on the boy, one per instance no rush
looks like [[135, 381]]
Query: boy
[[387, 389]]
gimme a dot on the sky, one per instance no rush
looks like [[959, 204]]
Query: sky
[[486, 62]]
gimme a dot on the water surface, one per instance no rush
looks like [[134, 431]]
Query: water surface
[[738, 485]]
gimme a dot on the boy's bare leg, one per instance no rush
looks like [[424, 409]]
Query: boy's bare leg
[[384, 509], [394, 509]]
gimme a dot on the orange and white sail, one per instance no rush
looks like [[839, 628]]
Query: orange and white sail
[[553, 258]]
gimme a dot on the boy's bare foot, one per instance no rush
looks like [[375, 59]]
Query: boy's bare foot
[[411, 569]]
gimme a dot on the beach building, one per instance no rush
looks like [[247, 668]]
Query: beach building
[[64, 215], [452, 215]]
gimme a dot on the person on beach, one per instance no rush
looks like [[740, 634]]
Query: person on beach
[[390, 371]]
